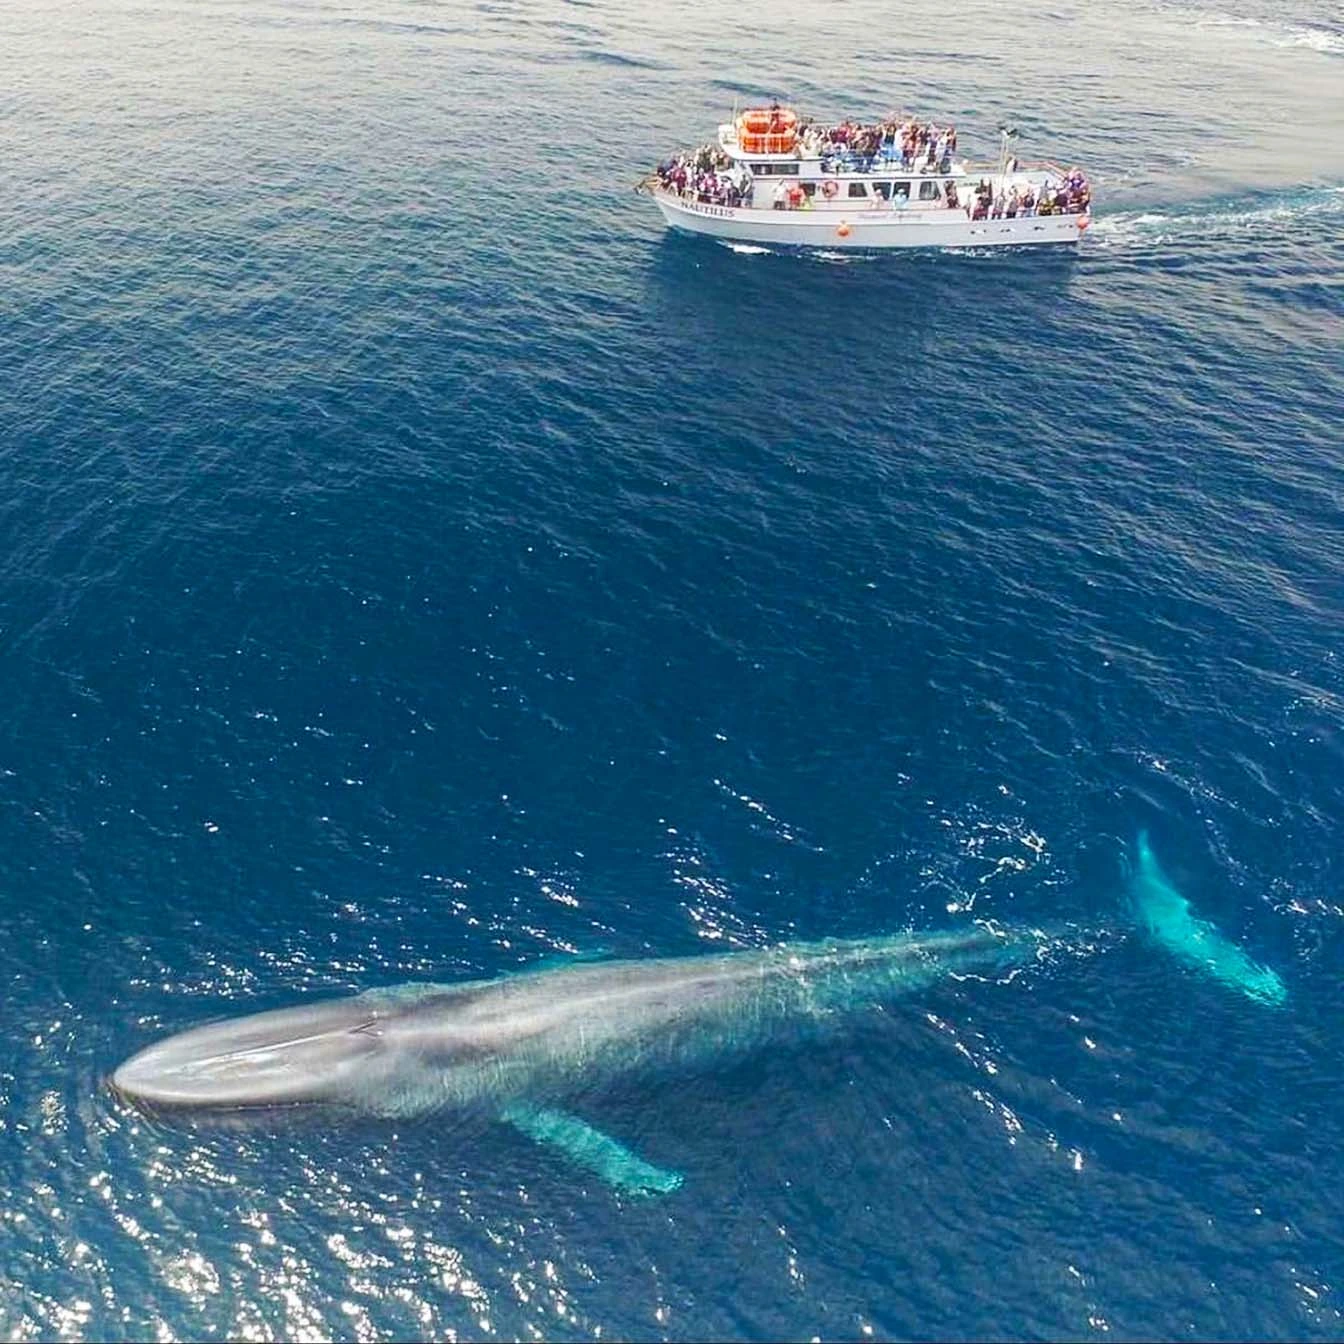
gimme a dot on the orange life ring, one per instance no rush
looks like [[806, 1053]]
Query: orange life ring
[[829, 188]]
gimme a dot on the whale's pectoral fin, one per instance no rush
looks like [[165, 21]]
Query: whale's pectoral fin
[[588, 1147], [1167, 917]]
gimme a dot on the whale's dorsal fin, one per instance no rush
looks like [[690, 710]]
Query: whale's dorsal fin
[[606, 1157], [388, 997], [557, 961]]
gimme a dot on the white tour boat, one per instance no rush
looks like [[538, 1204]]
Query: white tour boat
[[773, 178]]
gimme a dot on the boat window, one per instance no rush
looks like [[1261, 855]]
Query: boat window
[[901, 190], [775, 169], [809, 188], [883, 189], [930, 191], [857, 191]]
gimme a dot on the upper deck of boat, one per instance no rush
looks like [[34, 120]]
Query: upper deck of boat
[[843, 162]]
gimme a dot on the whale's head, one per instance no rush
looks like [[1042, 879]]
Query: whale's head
[[289, 1057]]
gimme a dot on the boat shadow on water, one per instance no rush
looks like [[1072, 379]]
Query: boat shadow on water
[[791, 296]]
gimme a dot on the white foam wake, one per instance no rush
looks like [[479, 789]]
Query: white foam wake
[[1324, 40], [1318, 39], [1267, 215]]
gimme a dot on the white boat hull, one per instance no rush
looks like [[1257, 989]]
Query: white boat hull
[[833, 229]]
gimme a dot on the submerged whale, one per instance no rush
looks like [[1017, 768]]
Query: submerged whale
[[520, 1044]]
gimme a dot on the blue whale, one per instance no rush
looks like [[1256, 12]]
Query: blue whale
[[517, 1045], [521, 1045]]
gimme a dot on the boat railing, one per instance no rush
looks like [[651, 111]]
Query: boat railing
[[992, 167]]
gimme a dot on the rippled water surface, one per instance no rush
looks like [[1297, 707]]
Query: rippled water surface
[[415, 564]]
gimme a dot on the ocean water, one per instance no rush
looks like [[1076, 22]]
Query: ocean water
[[415, 563]]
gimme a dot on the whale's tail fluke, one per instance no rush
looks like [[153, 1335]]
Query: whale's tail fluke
[[1166, 916]]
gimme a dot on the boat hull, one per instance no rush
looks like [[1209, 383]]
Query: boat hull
[[863, 230]]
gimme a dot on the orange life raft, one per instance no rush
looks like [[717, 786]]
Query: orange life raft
[[766, 130]]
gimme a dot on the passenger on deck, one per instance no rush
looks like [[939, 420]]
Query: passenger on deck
[[1080, 194]]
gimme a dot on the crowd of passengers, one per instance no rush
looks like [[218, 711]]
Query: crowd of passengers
[[708, 175], [1071, 195], [918, 144]]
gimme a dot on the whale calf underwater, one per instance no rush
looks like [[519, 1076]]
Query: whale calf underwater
[[517, 1045]]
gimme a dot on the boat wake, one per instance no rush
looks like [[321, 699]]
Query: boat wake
[[833, 258], [1324, 40], [1268, 215], [825, 255]]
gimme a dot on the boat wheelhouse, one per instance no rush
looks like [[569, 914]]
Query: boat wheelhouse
[[772, 177]]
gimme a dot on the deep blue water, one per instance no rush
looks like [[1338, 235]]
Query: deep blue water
[[414, 564]]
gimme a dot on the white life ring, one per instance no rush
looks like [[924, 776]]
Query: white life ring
[[829, 188]]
